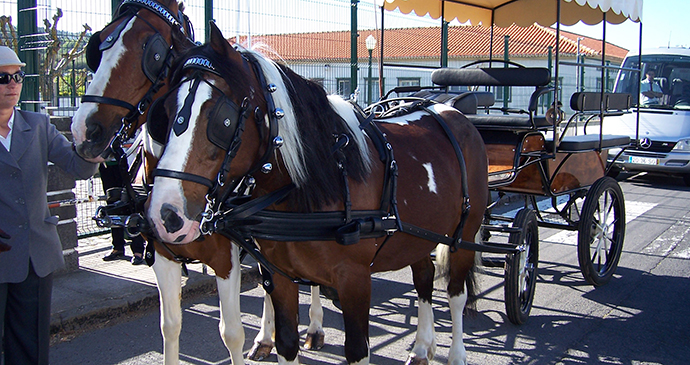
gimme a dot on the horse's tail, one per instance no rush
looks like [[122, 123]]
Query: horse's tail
[[443, 274]]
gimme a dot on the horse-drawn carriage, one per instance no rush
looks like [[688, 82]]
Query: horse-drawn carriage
[[526, 159], [248, 158]]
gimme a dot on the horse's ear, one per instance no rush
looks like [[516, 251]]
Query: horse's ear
[[180, 41], [218, 41]]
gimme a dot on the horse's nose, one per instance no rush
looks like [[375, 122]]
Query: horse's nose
[[171, 220]]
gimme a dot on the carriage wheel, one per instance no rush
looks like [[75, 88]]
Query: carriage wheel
[[521, 267], [601, 231]]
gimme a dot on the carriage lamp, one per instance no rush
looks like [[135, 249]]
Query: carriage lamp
[[370, 42]]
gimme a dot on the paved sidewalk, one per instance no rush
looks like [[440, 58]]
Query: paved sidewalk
[[103, 292]]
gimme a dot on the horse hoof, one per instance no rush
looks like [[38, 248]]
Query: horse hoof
[[259, 351], [314, 341], [413, 360]]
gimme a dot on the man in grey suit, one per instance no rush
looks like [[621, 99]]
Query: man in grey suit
[[28, 141]]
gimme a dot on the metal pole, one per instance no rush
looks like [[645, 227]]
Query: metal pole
[[381, 83], [353, 45], [549, 62], [506, 89], [208, 17], [369, 80], [27, 28], [444, 36]]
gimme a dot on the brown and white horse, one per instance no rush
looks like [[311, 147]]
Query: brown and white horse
[[220, 92], [131, 58]]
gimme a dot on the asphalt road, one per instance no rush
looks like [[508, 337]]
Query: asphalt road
[[641, 317]]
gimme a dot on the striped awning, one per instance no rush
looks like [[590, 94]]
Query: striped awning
[[522, 12]]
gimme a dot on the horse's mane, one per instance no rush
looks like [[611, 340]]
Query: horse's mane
[[309, 128], [319, 119]]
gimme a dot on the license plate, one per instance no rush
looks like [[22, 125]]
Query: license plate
[[643, 160]]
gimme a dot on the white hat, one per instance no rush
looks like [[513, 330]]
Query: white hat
[[9, 58]]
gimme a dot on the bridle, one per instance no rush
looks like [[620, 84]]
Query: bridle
[[158, 56], [228, 115]]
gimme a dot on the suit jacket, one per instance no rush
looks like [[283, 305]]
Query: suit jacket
[[24, 210]]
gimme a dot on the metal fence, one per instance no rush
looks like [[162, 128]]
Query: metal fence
[[312, 36], [63, 28]]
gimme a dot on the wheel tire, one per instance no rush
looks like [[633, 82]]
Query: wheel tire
[[521, 267], [601, 231]]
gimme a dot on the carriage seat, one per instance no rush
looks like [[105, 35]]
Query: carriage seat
[[587, 142], [589, 103], [467, 102], [537, 77]]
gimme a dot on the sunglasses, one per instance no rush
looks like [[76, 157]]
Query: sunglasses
[[18, 77]]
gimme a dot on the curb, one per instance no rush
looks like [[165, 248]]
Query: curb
[[86, 310]]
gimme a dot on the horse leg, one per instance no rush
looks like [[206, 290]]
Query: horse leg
[[169, 280], [355, 298], [263, 342], [457, 268], [315, 333], [286, 306], [230, 325], [425, 340]]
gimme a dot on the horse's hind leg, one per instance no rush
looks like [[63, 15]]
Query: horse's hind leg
[[425, 341], [168, 277], [230, 325], [315, 334]]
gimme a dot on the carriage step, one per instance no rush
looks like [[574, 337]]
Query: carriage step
[[493, 261], [504, 229]]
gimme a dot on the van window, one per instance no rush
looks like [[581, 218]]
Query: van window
[[672, 75]]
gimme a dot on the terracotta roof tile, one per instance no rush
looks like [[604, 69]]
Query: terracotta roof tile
[[420, 43]]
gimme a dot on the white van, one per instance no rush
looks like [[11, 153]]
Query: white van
[[663, 137]]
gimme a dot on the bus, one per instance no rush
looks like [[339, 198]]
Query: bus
[[663, 134]]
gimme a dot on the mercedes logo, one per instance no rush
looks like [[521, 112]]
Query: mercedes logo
[[645, 143]]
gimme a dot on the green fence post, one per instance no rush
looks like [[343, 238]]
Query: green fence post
[[27, 28], [506, 57], [353, 45], [208, 17]]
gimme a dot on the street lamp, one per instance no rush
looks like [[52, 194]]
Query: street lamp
[[371, 44]]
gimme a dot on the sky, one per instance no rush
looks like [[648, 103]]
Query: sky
[[664, 23]]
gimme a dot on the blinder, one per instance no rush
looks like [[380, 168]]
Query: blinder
[[223, 123], [95, 48], [155, 54], [157, 121]]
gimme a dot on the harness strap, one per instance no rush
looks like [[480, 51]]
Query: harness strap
[[106, 100], [183, 176], [463, 172]]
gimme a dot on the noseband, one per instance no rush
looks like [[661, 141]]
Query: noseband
[[225, 127], [156, 62]]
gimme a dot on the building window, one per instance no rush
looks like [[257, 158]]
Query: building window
[[500, 90], [609, 84], [375, 91], [344, 88], [408, 81]]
